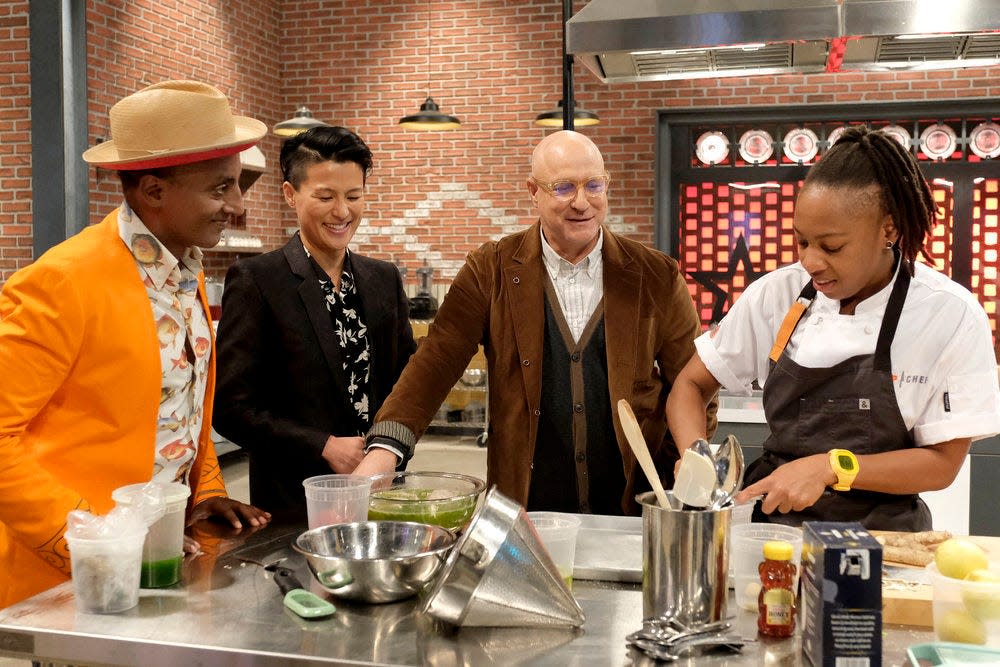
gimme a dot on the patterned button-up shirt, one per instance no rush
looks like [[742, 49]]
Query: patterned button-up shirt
[[182, 329], [344, 306]]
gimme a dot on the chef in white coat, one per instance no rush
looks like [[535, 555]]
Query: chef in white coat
[[878, 371]]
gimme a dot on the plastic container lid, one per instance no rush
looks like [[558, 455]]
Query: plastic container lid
[[778, 550], [174, 494]]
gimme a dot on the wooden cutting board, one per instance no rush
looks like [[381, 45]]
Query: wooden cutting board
[[911, 604]]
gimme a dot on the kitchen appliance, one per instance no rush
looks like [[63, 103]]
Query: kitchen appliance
[[424, 305], [689, 39]]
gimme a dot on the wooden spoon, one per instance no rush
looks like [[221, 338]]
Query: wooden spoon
[[638, 444]]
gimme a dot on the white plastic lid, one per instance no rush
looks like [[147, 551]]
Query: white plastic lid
[[173, 497]]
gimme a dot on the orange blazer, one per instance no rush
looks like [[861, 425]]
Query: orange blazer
[[79, 400]]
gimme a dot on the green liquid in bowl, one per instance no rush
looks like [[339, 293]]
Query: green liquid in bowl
[[420, 505]]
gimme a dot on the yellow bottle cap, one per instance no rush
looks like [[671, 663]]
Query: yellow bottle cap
[[778, 550]]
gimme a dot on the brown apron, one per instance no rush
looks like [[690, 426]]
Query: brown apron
[[851, 405]]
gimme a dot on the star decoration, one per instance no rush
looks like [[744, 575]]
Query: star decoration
[[711, 280]]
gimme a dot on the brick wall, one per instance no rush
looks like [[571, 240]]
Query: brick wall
[[362, 64], [232, 45], [15, 145], [496, 64]]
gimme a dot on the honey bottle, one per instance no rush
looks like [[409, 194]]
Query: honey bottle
[[776, 601]]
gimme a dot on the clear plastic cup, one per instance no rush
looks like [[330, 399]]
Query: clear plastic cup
[[740, 516], [558, 534], [334, 499], [106, 572], [746, 552], [163, 550]]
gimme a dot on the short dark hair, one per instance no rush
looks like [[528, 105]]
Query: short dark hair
[[862, 158], [130, 177], [320, 144]]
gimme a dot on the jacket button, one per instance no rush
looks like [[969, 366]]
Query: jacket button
[[525, 362], [580, 456], [575, 356], [578, 407], [517, 281]]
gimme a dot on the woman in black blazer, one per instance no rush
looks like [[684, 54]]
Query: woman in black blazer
[[312, 336]]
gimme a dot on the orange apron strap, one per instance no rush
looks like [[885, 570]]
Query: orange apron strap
[[788, 325]]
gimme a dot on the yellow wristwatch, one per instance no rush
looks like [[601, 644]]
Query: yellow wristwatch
[[845, 465]]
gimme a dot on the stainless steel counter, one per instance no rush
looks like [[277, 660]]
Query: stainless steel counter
[[229, 613]]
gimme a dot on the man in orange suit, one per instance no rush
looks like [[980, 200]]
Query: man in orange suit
[[107, 356]]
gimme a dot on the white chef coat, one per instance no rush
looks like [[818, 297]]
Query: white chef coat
[[943, 365]]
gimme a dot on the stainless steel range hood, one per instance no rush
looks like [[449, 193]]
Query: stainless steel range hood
[[640, 40]]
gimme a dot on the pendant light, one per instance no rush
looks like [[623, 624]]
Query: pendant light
[[554, 118], [429, 118], [300, 122], [566, 115]]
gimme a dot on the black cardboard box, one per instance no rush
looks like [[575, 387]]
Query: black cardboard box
[[841, 595]]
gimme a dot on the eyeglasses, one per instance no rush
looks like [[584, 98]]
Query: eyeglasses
[[595, 186]]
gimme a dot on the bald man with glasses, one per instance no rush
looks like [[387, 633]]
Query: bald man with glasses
[[572, 318]]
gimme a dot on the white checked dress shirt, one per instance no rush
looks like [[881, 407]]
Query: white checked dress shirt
[[579, 287]]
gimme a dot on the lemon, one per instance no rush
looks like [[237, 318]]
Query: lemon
[[958, 625], [982, 601], [957, 557]]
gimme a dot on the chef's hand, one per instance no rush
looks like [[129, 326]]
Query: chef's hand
[[343, 454], [191, 545], [229, 510], [793, 486], [377, 461]]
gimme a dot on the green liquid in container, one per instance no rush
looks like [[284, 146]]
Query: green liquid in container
[[160, 573]]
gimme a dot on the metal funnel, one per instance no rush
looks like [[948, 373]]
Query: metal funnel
[[499, 574]]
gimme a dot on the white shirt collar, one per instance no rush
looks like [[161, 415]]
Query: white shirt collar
[[591, 263], [876, 303]]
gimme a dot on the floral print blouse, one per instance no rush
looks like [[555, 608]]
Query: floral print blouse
[[344, 306]]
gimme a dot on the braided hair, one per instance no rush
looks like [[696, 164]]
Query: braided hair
[[862, 158]]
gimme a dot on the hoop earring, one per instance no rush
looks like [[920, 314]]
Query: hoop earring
[[888, 245]]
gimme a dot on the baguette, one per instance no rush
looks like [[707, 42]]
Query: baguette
[[910, 548], [907, 555]]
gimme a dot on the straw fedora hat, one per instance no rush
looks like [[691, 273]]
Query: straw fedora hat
[[172, 123]]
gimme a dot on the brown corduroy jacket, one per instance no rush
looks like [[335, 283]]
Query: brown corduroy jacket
[[497, 299]]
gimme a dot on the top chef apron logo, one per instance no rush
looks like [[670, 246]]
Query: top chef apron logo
[[909, 378]]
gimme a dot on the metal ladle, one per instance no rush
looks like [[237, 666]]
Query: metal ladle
[[729, 469]]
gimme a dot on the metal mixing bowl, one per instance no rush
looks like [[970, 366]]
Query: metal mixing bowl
[[441, 498], [375, 561]]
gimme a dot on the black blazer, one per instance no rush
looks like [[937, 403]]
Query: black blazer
[[280, 390]]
